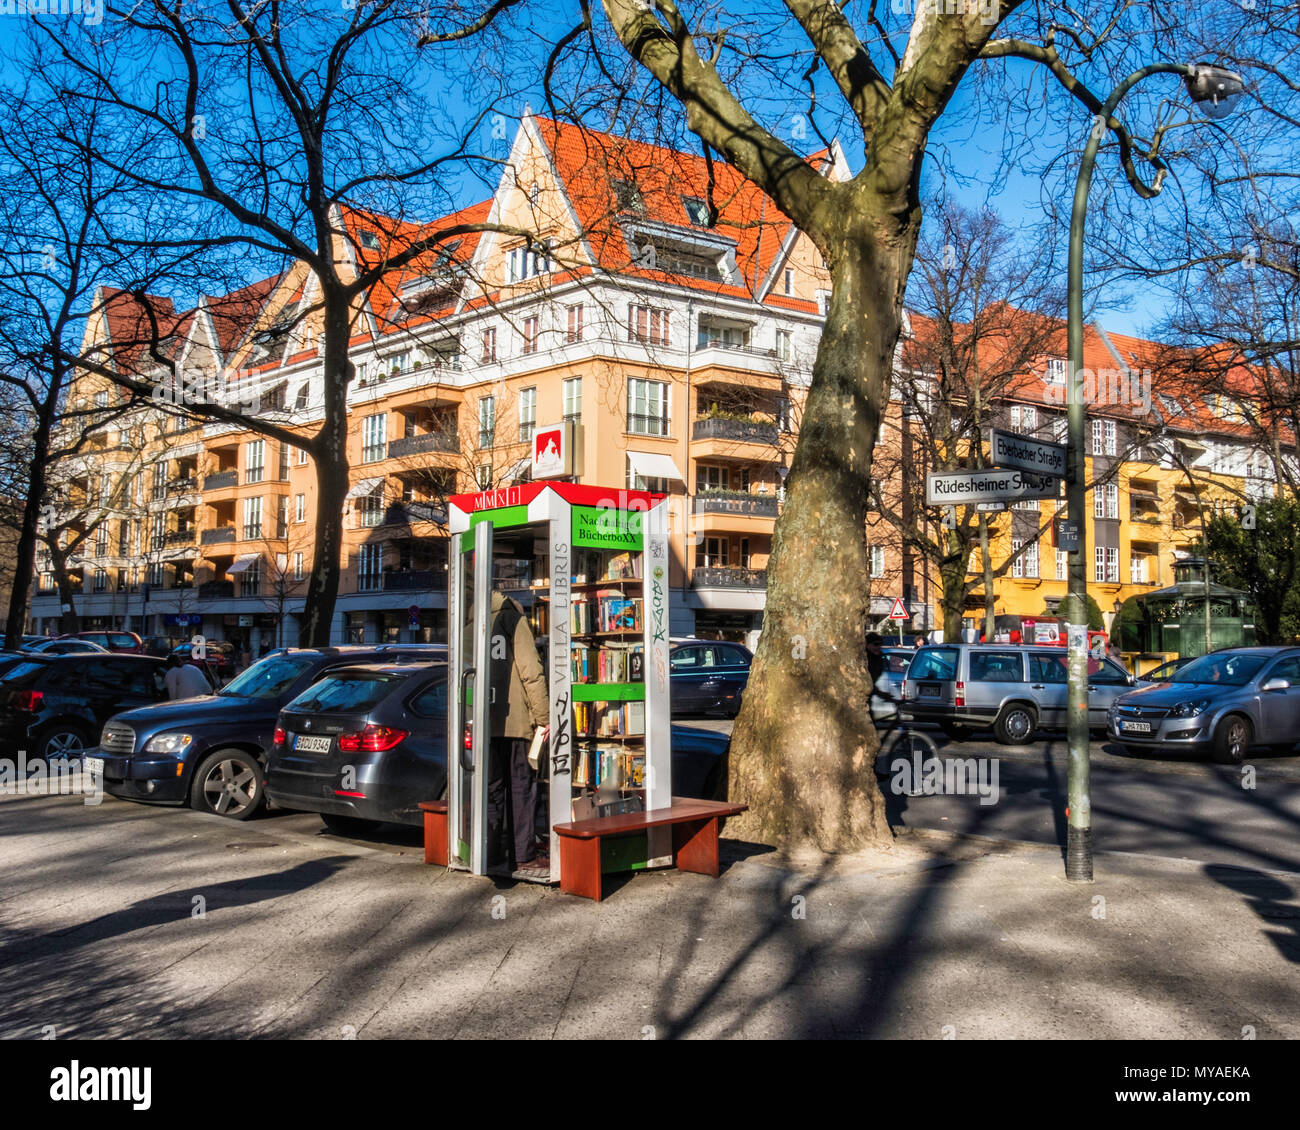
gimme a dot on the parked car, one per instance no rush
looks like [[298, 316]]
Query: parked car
[[389, 722], [67, 645], [708, 676], [161, 646], [54, 705], [1166, 670], [111, 640], [210, 751], [888, 698], [1013, 689], [1224, 703]]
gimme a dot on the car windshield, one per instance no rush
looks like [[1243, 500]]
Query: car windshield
[[353, 693], [1230, 668], [268, 678]]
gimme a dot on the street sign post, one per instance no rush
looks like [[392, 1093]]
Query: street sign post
[[968, 488], [899, 613], [1008, 449]]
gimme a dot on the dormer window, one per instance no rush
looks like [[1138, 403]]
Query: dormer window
[[369, 240], [1055, 374], [628, 197], [697, 211], [527, 261]]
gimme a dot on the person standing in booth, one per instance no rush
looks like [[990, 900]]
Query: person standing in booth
[[517, 706]]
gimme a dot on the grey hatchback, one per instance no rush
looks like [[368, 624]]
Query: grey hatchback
[[1224, 702], [1015, 689]]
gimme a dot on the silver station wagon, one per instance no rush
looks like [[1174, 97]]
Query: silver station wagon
[[1014, 689]]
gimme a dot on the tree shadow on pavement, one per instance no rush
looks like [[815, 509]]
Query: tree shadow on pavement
[[1266, 895]]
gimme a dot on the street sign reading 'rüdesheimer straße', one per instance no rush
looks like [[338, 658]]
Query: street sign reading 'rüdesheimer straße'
[[1025, 454], [949, 488]]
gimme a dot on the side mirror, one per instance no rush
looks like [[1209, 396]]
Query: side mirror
[[1277, 684]]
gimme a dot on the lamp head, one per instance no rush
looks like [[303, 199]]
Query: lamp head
[[1215, 90]]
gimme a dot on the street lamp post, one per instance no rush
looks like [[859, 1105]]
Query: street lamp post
[[1215, 91]]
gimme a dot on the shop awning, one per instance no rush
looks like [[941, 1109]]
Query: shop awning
[[362, 487], [647, 466], [243, 562]]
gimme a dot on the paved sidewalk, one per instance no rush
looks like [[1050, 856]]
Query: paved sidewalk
[[123, 920]]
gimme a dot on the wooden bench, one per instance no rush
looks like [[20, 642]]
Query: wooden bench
[[435, 831], [694, 823]]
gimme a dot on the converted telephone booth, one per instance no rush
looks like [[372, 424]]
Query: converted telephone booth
[[589, 566]]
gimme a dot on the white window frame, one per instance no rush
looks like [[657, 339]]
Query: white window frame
[[527, 413], [374, 438], [663, 400], [254, 460]]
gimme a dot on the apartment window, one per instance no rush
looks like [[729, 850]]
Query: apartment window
[[1103, 437], [574, 332], [647, 407], [282, 516], [1060, 428], [374, 438], [1024, 418], [297, 567], [1025, 565], [284, 462], [101, 580], [254, 461], [789, 282], [710, 478], [636, 482], [487, 421], [300, 508], [101, 399], [101, 541], [697, 211], [123, 538], [490, 344], [527, 261], [1055, 374], [1026, 504], [1106, 564], [371, 507], [302, 456], [784, 344], [628, 197], [157, 575], [527, 414], [744, 553], [1062, 565], [785, 415], [252, 518], [251, 579], [711, 553], [158, 532], [1105, 501], [573, 398], [160, 480], [729, 337], [877, 560], [531, 328], [1137, 570], [647, 324]]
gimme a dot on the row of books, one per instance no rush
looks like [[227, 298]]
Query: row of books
[[609, 719], [607, 611], [608, 765], [591, 565], [607, 664]]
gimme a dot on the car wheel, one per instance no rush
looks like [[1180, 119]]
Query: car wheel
[[1232, 740], [1015, 724], [347, 825], [228, 783], [956, 731], [63, 739]]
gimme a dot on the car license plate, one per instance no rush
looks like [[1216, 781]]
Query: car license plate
[[312, 743], [1135, 727], [93, 765], [929, 690]]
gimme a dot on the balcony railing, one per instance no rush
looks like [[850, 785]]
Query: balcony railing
[[183, 486], [221, 479], [419, 445], [217, 536], [180, 537], [737, 502], [728, 578], [217, 590], [414, 580], [369, 582], [405, 513], [743, 431]]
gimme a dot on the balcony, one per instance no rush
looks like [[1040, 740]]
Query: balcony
[[180, 537], [727, 578], [217, 590], [218, 536], [408, 513], [421, 444], [414, 580], [221, 479], [736, 431], [737, 502], [187, 485]]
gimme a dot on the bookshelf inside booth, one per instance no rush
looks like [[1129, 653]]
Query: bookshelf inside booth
[[589, 569]]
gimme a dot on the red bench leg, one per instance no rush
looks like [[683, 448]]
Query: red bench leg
[[435, 838], [695, 843], [580, 867]]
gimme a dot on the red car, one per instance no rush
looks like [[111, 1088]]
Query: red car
[[220, 661], [113, 640]]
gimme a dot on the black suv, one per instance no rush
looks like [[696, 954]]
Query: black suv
[[211, 751], [54, 705]]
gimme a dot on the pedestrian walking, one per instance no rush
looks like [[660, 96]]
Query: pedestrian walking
[[184, 680]]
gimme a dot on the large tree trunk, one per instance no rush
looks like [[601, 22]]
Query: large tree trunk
[[803, 750], [25, 565], [952, 581], [331, 457]]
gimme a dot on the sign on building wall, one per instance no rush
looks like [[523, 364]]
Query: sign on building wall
[[553, 451]]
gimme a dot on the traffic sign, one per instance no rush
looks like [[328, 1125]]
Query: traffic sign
[[899, 611], [1009, 449], [946, 488]]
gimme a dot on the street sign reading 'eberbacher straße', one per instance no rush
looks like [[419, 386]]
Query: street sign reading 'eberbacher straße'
[[1025, 454], [947, 488]]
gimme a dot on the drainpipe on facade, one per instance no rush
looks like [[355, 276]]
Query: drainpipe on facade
[[687, 564]]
